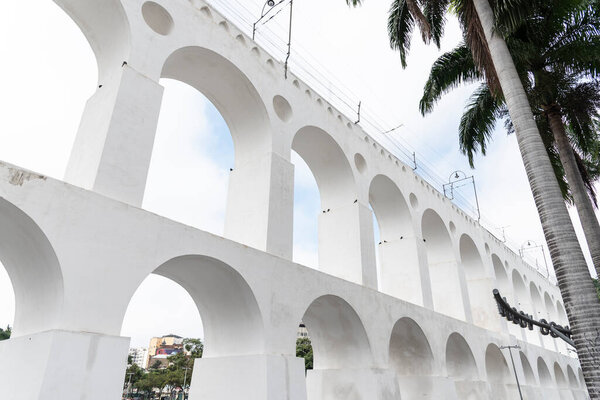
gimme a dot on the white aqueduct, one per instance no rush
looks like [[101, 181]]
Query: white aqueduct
[[76, 252]]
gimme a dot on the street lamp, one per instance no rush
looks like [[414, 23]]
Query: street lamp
[[513, 365]]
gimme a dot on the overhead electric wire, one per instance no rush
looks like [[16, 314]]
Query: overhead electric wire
[[345, 100]]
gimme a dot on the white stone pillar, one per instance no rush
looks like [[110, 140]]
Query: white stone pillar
[[260, 205], [346, 247], [344, 384], [404, 273], [254, 377], [61, 365], [113, 147]]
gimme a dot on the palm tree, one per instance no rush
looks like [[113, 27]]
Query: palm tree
[[544, 48], [491, 54]]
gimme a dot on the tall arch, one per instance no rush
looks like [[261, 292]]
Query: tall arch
[[251, 216], [398, 254], [232, 93], [523, 302], [33, 269], [561, 383], [341, 242], [483, 306], [573, 383], [461, 367], [497, 371], [412, 359], [527, 370], [501, 277], [106, 27], [544, 374], [443, 269]]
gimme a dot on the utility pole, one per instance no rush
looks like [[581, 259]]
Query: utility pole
[[129, 385], [513, 365], [184, 379]]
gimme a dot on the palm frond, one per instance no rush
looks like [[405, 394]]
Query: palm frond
[[449, 71], [478, 122]]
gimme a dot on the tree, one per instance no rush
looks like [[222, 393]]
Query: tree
[[304, 350], [491, 55], [556, 52], [5, 334]]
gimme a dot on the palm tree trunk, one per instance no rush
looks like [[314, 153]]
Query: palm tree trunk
[[582, 201], [579, 295]]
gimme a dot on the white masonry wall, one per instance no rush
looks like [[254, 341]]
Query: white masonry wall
[[427, 329]]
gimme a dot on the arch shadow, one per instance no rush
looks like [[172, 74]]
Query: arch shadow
[[412, 359], [231, 317], [33, 269]]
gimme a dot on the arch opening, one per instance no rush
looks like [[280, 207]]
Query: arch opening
[[33, 272], [527, 370], [212, 302], [192, 144], [232, 94], [497, 371], [397, 252], [544, 374], [483, 306], [339, 242], [523, 302], [461, 368], [337, 334], [412, 359], [443, 268]]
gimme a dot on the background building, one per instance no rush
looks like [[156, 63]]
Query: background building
[[139, 356], [162, 347]]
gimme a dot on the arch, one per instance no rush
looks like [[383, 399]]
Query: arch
[[562, 315], [106, 27], [398, 258], [390, 208], [337, 333], [573, 383], [527, 370], [523, 302], [443, 269], [544, 374], [496, 366], [537, 301], [581, 377], [231, 318], [460, 362], [412, 359], [550, 310], [232, 94], [340, 237], [33, 269], [559, 376], [328, 164], [483, 307], [501, 277]]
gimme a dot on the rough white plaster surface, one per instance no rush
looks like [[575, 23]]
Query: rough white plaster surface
[[76, 252]]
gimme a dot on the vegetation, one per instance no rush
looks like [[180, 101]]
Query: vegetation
[[557, 55], [5, 333], [158, 379], [304, 350]]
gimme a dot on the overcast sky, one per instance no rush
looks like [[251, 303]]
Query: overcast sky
[[49, 72]]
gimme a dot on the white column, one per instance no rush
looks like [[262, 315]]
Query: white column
[[404, 271], [113, 147], [255, 377], [346, 247], [260, 205], [61, 365]]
